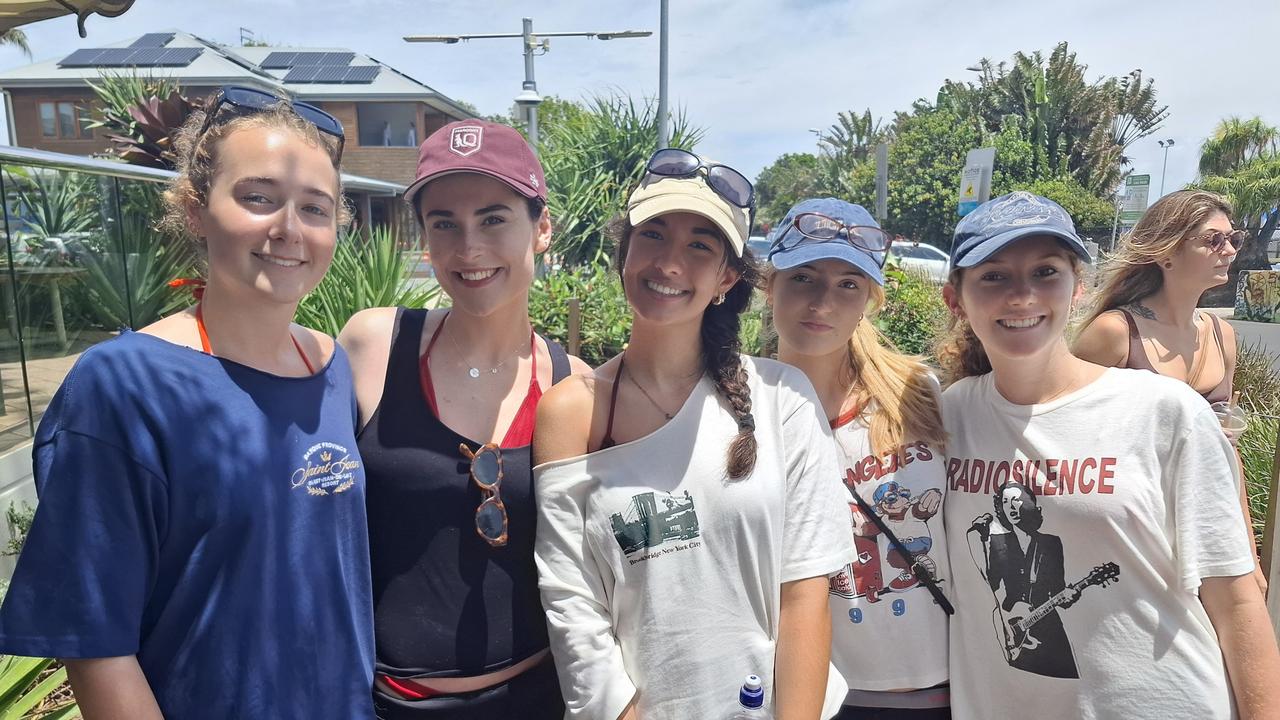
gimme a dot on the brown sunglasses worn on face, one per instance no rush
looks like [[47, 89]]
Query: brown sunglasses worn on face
[[486, 473], [1218, 239]]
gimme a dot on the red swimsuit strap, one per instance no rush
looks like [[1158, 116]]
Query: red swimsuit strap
[[204, 340]]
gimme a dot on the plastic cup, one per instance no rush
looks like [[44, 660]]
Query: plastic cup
[[1233, 418]]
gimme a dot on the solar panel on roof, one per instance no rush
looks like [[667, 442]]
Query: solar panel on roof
[[279, 60], [302, 74], [152, 40], [362, 74], [309, 58], [339, 58], [178, 57], [331, 74], [147, 57], [80, 58]]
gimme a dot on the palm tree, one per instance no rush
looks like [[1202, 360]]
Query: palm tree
[[1235, 143], [1254, 193], [16, 38]]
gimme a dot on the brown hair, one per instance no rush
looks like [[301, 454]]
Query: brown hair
[[198, 160], [958, 351], [1132, 272], [720, 346]]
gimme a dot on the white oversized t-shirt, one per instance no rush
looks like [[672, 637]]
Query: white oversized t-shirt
[[887, 632], [1133, 499], [661, 578]]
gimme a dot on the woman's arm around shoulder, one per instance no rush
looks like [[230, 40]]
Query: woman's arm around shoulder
[[563, 427], [1105, 341], [367, 339]]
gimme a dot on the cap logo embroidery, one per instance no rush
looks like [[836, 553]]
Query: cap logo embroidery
[[465, 140], [533, 180], [1021, 208]]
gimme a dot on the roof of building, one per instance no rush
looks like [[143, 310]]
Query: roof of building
[[311, 74]]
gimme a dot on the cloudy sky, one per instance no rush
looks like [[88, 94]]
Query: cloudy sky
[[758, 74]]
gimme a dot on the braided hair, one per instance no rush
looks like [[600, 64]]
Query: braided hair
[[721, 346]]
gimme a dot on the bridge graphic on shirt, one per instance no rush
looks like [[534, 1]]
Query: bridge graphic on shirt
[[653, 518]]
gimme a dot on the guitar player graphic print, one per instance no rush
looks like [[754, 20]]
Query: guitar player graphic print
[[1024, 568]]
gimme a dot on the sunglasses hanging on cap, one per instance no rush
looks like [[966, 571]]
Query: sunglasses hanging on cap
[[728, 183], [246, 101], [816, 227]]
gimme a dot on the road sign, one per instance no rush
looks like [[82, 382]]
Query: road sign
[[882, 181], [1136, 189], [975, 179]]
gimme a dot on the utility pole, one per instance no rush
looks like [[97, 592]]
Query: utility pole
[[664, 120]]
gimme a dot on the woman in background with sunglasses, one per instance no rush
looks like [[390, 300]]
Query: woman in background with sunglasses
[[447, 405], [1144, 315], [689, 507], [889, 622], [200, 546]]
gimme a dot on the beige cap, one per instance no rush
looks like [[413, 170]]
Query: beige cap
[[659, 195]]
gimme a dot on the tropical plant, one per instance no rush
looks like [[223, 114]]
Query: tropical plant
[[913, 313], [1236, 142], [367, 272], [141, 115], [16, 38], [791, 178], [54, 206], [594, 154], [605, 317], [1259, 383], [34, 688], [1240, 161], [847, 144], [19, 519]]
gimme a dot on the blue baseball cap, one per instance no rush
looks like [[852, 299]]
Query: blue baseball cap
[[798, 250], [1000, 221]]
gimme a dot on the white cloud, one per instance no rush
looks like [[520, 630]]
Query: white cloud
[[759, 73]]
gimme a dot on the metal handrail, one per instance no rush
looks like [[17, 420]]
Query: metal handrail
[[112, 168]]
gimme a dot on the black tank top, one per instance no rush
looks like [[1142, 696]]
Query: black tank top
[[446, 604]]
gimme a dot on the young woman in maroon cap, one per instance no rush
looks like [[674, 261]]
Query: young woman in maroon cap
[[447, 402]]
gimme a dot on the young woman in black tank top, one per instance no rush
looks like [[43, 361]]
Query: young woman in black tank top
[[1144, 314], [459, 627]]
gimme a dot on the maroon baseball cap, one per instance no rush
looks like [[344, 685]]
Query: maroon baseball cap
[[483, 147]]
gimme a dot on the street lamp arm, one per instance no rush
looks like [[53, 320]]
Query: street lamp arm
[[456, 38]]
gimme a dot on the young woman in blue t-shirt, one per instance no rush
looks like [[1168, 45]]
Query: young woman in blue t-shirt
[[200, 546]]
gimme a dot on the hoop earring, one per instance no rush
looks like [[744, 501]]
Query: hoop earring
[[718, 300], [1168, 264]]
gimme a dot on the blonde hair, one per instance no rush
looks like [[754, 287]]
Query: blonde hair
[[894, 386], [197, 160], [958, 351], [899, 385], [1133, 271]]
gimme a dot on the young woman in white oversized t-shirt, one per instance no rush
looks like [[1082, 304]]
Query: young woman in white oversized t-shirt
[[689, 506], [1098, 552], [889, 634]]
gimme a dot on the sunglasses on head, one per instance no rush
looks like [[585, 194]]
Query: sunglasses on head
[[728, 183], [486, 473], [815, 227], [246, 101], [1217, 239]]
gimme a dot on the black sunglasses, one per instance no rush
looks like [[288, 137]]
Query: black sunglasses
[[248, 100], [486, 473], [822, 228], [728, 183]]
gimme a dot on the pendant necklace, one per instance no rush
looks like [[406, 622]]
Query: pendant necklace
[[472, 370]]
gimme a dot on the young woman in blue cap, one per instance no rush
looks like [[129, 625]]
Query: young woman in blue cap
[[889, 632], [447, 407], [1100, 563], [689, 508], [200, 546]]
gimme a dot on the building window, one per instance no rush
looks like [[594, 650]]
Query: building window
[[48, 120], [388, 124], [65, 120]]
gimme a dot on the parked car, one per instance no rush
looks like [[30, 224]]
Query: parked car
[[926, 259], [759, 246]]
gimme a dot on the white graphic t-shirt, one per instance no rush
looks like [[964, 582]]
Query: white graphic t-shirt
[[1079, 532], [888, 633], [662, 579]]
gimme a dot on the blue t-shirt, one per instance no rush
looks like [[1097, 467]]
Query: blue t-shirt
[[210, 519]]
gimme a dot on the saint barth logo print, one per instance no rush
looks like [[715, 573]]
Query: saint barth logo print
[[1024, 568], [654, 518], [465, 140]]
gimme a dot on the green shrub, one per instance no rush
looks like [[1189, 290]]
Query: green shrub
[[366, 273], [914, 312], [606, 317], [1259, 385]]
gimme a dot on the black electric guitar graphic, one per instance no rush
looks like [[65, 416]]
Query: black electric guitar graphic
[[1015, 626]]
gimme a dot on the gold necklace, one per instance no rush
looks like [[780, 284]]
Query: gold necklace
[[646, 394]]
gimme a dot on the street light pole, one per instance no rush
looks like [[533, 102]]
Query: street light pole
[[1166, 144], [664, 129], [528, 96]]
